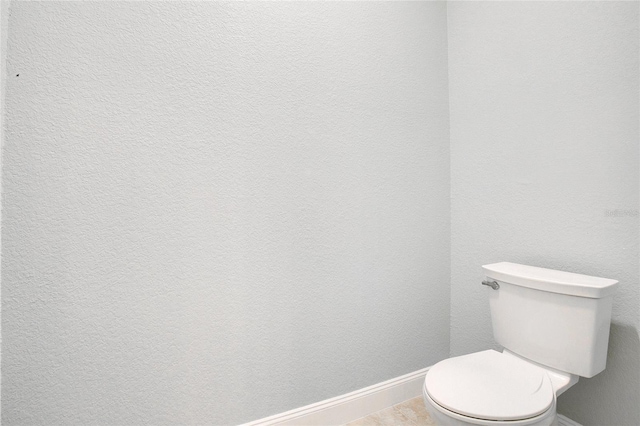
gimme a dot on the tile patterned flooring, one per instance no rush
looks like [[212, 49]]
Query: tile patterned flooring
[[408, 413]]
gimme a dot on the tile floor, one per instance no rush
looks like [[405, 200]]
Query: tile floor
[[408, 413]]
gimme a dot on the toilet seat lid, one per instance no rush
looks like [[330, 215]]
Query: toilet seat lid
[[490, 385]]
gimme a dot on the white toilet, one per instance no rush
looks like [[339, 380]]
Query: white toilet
[[554, 327]]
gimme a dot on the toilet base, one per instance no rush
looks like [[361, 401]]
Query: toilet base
[[444, 417]]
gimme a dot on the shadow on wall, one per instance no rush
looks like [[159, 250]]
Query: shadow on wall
[[617, 387]]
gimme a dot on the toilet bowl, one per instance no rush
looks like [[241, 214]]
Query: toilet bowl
[[491, 388], [554, 328], [444, 417]]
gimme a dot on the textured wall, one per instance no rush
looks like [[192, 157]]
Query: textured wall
[[216, 212], [544, 140], [4, 21]]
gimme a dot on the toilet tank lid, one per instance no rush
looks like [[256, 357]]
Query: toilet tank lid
[[551, 280]]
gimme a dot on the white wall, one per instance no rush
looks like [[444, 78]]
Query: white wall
[[216, 212], [544, 141], [4, 32]]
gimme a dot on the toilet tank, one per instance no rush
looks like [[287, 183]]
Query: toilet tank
[[558, 319]]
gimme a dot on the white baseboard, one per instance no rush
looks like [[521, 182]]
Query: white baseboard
[[354, 405], [566, 421], [351, 406]]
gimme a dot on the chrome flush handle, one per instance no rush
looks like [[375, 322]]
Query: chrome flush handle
[[494, 285]]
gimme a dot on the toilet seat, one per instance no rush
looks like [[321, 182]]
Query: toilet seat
[[490, 385], [442, 416]]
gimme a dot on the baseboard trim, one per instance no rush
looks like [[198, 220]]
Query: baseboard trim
[[566, 421], [351, 406]]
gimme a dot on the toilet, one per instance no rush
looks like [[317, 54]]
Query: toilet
[[553, 327]]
